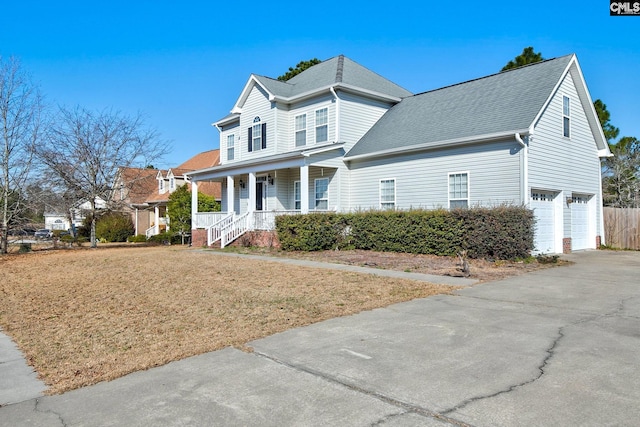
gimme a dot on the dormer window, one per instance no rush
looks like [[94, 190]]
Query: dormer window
[[257, 135], [172, 184], [161, 185]]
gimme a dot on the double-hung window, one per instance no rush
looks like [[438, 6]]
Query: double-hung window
[[301, 130], [172, 183], [387, 194], [322, 194], [231, 143], [322, 125], [458, 190], [296, 195], [566, 117], [257, 135]]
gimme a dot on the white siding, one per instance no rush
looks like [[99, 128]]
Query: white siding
[[568, 165], [309, 108], [422, 179], [257, 105], [357, 116]]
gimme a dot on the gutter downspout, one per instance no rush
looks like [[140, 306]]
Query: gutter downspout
[[525, 172], [333, 92]]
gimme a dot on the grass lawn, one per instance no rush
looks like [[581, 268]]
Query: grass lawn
[[82, 316]]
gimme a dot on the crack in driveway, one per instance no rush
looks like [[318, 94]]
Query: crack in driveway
[[48, 411], [550, 351], [406, 407]]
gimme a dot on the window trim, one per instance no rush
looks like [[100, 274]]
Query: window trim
[[566, 116], [458, 199], [302, 130], [256, 141], [323, 125], [315, 193], [297, 202], [172, 183], [231, 145], [386, 202]]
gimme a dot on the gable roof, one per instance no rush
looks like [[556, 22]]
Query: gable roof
[[201, 160], [140, 182], [485, 108], [338, 72]]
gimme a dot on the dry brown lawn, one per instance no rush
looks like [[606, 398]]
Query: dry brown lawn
[[82, 316]]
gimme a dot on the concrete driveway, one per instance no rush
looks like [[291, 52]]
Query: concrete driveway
[[554, 347]]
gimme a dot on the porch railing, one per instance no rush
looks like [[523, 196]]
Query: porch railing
[[235, 229], [214, 232], [229, 227], [207, 219], [266, 220]]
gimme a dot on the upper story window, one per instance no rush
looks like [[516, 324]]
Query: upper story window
[[231, 143], [322, 194], [257, 135], [322, 127], [301, 130], [566, 117], [122, 195], [387, 194], [172, 183], [458, 190], [161, 185]]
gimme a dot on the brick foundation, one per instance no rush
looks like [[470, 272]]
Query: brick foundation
[[598, 242], [260, 238], [198, 237], [566, 245]]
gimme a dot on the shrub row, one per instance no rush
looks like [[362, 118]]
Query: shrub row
[[504, 232]]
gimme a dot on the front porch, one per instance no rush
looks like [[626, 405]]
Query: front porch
[[226, 227]]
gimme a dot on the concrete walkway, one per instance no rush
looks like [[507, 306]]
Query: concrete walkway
[[553, 347], [18, 381]]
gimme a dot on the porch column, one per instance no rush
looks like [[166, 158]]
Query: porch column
[[252, 198], [230, 194], [156, 226], [304, 189], [194, 202]]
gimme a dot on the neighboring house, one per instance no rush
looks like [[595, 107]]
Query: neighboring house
[[145, 192], [75, 217], [338, 137]]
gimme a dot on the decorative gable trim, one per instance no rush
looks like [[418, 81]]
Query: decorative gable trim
[[586, 102], [251, 83]]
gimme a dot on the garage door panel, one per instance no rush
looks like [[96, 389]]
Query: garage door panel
[[580, 222], [544, 212]]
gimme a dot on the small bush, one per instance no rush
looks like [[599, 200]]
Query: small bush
[[140, 238], [114, 227], [547, 259]]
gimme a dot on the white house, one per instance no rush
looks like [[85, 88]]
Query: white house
[[338, 137]]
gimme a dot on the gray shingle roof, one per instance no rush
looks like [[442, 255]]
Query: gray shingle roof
[[339, 69], [508, 101]]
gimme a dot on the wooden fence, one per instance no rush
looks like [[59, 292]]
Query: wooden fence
[[622, 228]]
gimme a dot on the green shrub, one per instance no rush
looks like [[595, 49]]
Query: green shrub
[[114, 227], [140, 238], [504, 232], [166, 238]]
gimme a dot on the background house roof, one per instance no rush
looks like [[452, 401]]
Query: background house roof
[[202, 160], [499, 103], [139, 183]]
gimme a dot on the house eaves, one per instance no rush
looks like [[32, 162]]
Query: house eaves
[[337, 86], [436, 145], [278, 161]]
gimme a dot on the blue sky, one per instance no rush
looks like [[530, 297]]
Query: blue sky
[[184, 64]]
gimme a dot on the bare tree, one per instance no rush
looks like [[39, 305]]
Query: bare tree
[[84, 150], [20, 117]]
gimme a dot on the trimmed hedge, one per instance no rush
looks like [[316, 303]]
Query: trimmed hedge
[[504, 232]]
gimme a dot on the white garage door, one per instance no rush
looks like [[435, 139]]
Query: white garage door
[[580, 222], [544, 211]]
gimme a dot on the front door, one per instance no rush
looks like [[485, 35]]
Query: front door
[[261, 203]]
